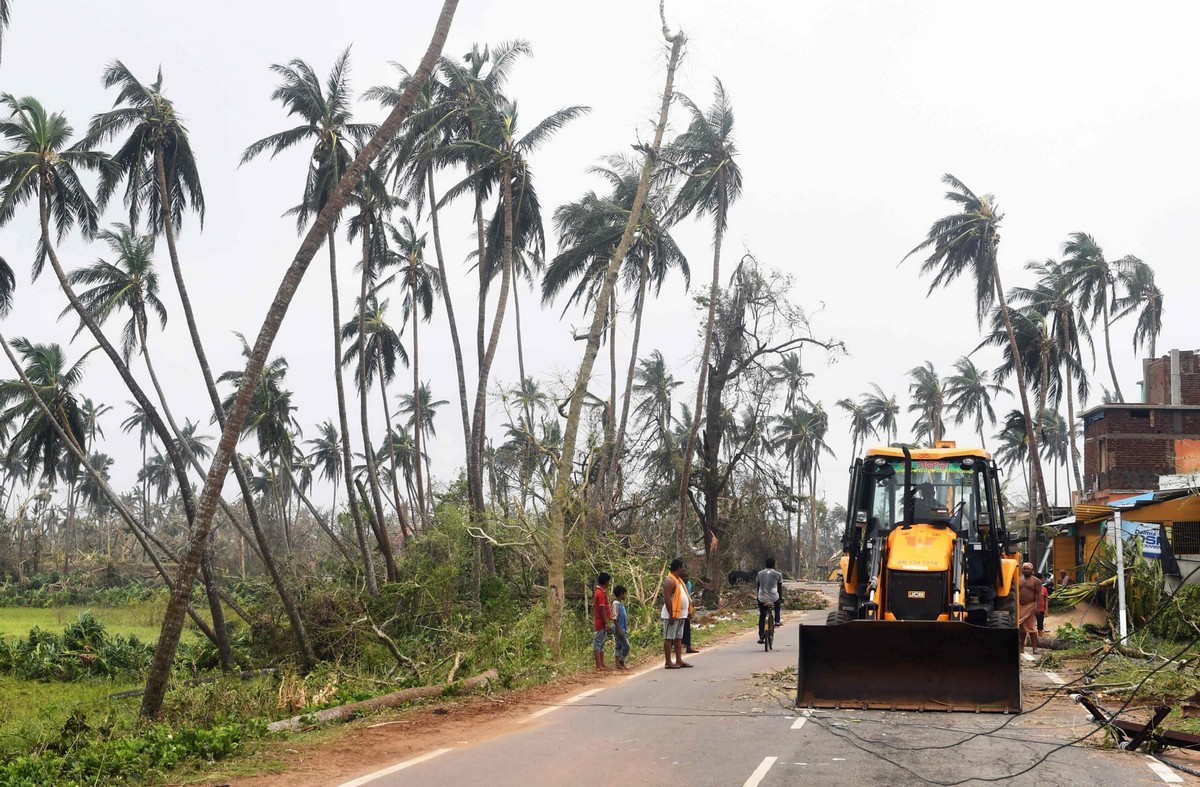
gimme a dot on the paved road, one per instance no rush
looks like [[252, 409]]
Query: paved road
[[716, 725]]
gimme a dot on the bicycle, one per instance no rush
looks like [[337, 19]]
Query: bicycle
[[769, 631]]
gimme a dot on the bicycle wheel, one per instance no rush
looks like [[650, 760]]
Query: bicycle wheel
[[769, 637]]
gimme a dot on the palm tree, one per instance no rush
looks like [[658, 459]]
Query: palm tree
[[1054, 295], [860, 422], [497, 157], [190, 562], [325, 123], [1143, 296], [374, 347], [421, 282], [326, 454], [92, 412], [800, 434], [969, 393], [1013, 450], [1094, 279], [967, 242], [374, 204], [5, 18], [35, 441], [790, 373], [883, 411], [705, 155], [422, 406], [1054, 445], [928, 399], [589, 230]]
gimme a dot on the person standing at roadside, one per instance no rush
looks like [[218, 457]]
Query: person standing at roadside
[[1029, 590], [687, 623], [677, 605], [770, 596], [1043, 598], [601, 618], [620, 627]]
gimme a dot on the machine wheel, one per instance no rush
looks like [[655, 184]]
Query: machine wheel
[[999, 620], [1007, 604], [837, 617]]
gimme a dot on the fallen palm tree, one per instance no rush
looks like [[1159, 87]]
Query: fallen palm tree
[[395, 699]]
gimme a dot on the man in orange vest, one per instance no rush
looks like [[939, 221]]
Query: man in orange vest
[[677, 606]]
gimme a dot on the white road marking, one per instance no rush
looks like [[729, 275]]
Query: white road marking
[[552, 708], [799, 723], [1055, 679], [1166, 774], [760, 772], [370, 777]]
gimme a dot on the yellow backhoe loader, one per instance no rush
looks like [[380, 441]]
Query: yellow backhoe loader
[[927, 608]]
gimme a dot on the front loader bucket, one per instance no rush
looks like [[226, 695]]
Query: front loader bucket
[[909, 665]]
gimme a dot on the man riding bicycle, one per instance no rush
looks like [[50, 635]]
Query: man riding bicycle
[[770, 594]]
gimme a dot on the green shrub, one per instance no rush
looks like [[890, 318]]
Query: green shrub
[[1179, 619], [83, 649]]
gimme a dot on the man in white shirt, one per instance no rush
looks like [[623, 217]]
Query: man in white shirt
[[770, 594]]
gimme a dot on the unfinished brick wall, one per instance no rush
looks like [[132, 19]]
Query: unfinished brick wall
[[1128, 448], [1158, 379]]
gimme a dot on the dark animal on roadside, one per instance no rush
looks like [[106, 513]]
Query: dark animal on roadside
[[737, 577]]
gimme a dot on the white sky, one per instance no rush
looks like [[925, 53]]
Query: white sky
[[1077, 116]]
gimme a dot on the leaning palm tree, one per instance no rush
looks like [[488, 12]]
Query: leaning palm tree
[[1141, 295], [1054, 295], [969, 393], [189, 564], [589, 230], [498, 157], [325, 123], [35, 439], [705, 155], [966, 242], [1094, 278]]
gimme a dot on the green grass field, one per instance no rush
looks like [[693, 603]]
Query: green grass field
[[142, 619]]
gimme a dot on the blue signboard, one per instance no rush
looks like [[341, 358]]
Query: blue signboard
[[1148, 532]]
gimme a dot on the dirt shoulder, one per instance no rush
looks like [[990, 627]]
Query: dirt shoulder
[[340, 751]]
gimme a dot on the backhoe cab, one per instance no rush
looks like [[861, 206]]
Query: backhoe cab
[[927, 605]]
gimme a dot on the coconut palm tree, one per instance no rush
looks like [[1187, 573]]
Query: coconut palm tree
[[969, 393], [860, 422], [1013, 449], [5, 19], [421, 282], [92, 413], [377, 355], [883, 411], [35, 440], [1054, 445], [1094, 279], [422, 406], [928, 400], [1141, 295], [1054, 295], [326, 455], [497, 156], [705, 155], [966, 242], [326, 124], [190, 562], [589, 230]]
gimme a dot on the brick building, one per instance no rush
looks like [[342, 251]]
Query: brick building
[[1126, 447]]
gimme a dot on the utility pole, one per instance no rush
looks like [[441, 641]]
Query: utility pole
[[1120, 547]]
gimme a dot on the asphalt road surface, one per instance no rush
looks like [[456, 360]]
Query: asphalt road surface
[[718, 724]]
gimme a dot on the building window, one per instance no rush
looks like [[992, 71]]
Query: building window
[[1185, 538]]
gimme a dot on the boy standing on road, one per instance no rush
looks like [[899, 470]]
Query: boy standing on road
[[770, 596], [1029, 589], [601, 617], [621, 630]]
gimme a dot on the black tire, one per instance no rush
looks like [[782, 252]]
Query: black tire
[[999, 620], [837, 617], [1007, 604]]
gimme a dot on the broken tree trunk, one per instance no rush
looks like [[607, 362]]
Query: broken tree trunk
[[378, 703]]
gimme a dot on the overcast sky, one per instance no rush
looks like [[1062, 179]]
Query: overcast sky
[[1077, 116]]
